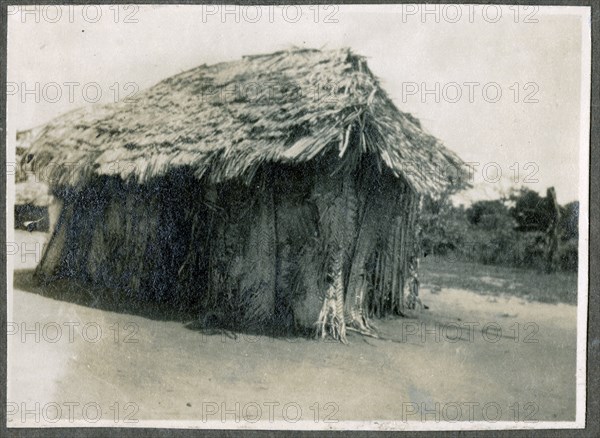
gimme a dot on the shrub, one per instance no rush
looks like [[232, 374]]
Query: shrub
[[568, 255]]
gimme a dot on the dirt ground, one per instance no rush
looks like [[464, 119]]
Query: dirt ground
[[468, 357]]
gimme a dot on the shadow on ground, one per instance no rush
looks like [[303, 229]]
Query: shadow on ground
[[95, 297], [209, 323]]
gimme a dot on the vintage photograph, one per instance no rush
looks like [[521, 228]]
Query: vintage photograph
[[307, 217]]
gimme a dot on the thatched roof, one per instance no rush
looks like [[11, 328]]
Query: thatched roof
[[223, 121], [26, 137]]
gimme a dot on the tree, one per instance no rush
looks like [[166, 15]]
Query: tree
[[531, 211], [553, 215], [443, 226], [490, 215], [569, 221]]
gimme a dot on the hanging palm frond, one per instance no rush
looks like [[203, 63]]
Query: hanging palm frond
[[337, 206]]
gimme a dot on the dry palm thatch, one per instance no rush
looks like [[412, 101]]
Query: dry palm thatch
[[228, 119], [267, 187]]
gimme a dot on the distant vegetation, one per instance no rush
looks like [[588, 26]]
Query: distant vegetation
[[438, 273], [510, 231]]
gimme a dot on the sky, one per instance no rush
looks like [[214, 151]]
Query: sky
[[502, 90]]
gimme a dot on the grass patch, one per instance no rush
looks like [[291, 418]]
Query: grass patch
[[441, 272]]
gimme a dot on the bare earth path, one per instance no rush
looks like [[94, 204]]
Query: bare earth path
[[515, 360]]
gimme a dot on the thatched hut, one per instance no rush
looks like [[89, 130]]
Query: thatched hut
[[280, 189]]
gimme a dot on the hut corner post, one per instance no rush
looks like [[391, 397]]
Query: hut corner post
[[412, 297], [338, 223], [331, 315], [357, 279], [354, 237]]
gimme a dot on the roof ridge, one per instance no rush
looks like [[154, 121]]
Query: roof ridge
[[291, 50]]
